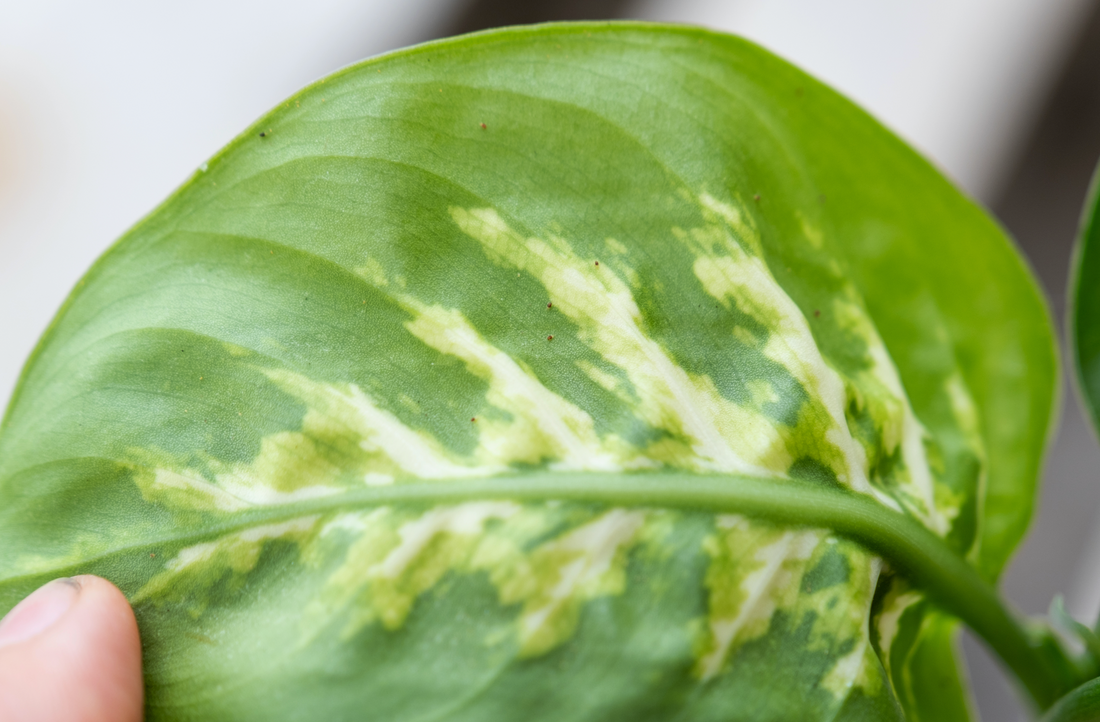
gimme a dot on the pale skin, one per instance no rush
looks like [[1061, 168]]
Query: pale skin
[[70, 651]]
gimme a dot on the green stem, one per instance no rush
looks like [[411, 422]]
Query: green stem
[[923, 558]]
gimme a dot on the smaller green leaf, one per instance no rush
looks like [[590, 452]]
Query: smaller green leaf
[[1064, 621], [1080, 705], [1084, 317], [935, 679]]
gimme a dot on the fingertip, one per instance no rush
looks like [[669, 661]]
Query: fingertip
[[82, 665]]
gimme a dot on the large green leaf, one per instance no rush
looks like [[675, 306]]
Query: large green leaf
[[573, 249]]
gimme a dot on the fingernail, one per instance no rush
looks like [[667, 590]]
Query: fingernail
[[39, 611]]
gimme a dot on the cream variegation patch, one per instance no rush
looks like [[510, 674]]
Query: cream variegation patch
[[899, 428], [540, 425], [759, 568], [392, 559], [855, 668], [731, 274], [722, 435], [193, 570], [585, 562]]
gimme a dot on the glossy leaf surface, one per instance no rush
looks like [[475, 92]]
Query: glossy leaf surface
[[584, 249]]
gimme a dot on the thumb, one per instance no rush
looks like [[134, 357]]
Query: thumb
[[70, 651]]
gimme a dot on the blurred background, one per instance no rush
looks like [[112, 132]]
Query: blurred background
[[106, 107]]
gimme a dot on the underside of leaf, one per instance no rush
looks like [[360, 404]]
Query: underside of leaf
[[612, 249]]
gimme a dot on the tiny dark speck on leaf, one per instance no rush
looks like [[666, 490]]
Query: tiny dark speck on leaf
[[483, 126], [597, 263], [263, 135], [152, 555], [202, 638], [550, 304], [550, 338], [817, 312], [756, 197], [473, 419]]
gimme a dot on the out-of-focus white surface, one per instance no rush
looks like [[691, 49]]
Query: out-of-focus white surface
[[106, 107], [956, 78]]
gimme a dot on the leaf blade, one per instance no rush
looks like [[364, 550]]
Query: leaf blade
[[374, 189]]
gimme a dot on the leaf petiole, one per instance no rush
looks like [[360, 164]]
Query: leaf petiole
[[1030, 651]]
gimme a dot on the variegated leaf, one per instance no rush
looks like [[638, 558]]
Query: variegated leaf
[[583, 249]]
